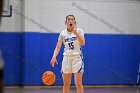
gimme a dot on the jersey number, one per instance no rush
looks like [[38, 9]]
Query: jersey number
[[71, 46]]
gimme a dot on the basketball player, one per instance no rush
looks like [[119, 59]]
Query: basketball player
[[72, 38], [1, 61]]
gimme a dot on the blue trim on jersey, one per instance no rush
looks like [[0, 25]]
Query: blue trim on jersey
[[62, 72], [82, 61], [81, 68], [81, 55]]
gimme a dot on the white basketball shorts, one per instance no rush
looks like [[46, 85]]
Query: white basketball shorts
[[72, 64]]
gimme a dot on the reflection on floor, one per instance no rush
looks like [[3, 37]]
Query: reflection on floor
[[73, 90]]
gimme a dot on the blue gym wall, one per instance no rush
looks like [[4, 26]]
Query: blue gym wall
[[108, 58]]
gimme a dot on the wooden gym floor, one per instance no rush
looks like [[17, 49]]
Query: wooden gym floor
[[99, 89]]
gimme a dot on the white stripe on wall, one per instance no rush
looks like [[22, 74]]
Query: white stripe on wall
[[102, 17]]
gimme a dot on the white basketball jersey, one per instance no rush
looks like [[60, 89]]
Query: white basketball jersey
[[71, 43]]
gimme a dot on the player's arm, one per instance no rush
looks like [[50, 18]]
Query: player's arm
[[56, 51], [81, 38]]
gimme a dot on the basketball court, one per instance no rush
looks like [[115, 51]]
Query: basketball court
[[99, 89]]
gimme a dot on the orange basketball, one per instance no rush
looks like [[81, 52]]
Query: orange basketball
[[48, 77]]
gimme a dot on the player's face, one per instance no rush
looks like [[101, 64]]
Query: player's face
[[70, 22]]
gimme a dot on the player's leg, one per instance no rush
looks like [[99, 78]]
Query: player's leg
[[78, 70], [78, 82], [66, 73], [66, 82]]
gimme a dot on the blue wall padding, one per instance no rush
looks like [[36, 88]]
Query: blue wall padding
[[108, 58]]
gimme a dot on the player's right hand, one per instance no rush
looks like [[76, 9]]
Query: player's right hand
[[53, 61]]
